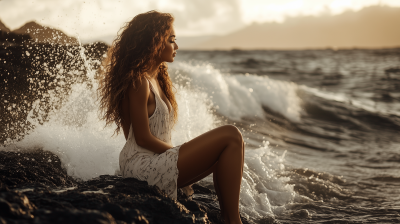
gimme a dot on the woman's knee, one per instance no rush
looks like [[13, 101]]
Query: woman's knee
[[233, 134]]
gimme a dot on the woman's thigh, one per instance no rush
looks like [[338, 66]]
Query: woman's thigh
[[202, 152]]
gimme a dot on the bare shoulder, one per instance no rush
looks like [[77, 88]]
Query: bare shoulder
[[139, 88]]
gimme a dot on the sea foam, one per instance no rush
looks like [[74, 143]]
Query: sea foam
[[87, 149], [237, 96]]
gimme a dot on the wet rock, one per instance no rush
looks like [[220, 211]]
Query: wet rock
[[9, 38], [37, 178], [73, 216], [15, 205], [30, 71], [34, 168], [36, 191]]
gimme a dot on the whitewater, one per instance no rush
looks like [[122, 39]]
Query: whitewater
[[304, 143]]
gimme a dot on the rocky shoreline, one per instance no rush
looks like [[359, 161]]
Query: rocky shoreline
[[34, 188]]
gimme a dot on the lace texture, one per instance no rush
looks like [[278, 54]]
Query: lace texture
[[157, 169]]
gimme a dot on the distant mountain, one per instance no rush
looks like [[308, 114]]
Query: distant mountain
[[45, 34], [371, 27], [8, 38], [187, 42], [3, 27]]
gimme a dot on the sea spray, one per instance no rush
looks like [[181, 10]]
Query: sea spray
[[264, 190], [195, 115], [41, 83], [72, 130], [238, 96], [66, 123], [343, 153]]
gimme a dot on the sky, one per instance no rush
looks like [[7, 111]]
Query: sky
[[90, 19]]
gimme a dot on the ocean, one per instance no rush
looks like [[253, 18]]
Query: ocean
[[321, 127]]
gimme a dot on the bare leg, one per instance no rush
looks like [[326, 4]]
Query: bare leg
[[225, 146], [200, 177], [224, 214], [242, 157], [213, 170]]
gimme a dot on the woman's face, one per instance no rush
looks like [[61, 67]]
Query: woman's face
[[169, 51]]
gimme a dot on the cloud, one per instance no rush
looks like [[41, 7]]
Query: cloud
[[204, 17], [91, 19], [278, 10], [371, 27]]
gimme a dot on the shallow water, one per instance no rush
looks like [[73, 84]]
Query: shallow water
[[321, 127]]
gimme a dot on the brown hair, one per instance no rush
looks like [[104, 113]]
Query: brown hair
[[131, 55]]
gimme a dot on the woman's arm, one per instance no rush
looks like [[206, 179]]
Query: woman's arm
[[139, 117]]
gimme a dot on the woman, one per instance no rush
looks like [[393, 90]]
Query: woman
[[136, 94]]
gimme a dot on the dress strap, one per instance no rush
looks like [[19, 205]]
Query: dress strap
[[152, 89], [151, 85], [155, 98], [158, 97]]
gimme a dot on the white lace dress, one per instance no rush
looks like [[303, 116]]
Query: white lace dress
[[157, 169]]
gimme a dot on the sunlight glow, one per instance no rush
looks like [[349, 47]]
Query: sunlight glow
[[91, 19], [277, 10]]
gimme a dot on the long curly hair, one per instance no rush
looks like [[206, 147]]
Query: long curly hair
[[137, 47]]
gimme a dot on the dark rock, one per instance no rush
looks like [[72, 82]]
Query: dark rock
[[73, 216], [15, 205], [30, 169], [34, 187], [42, 192], [10, 38], [27, 76]]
